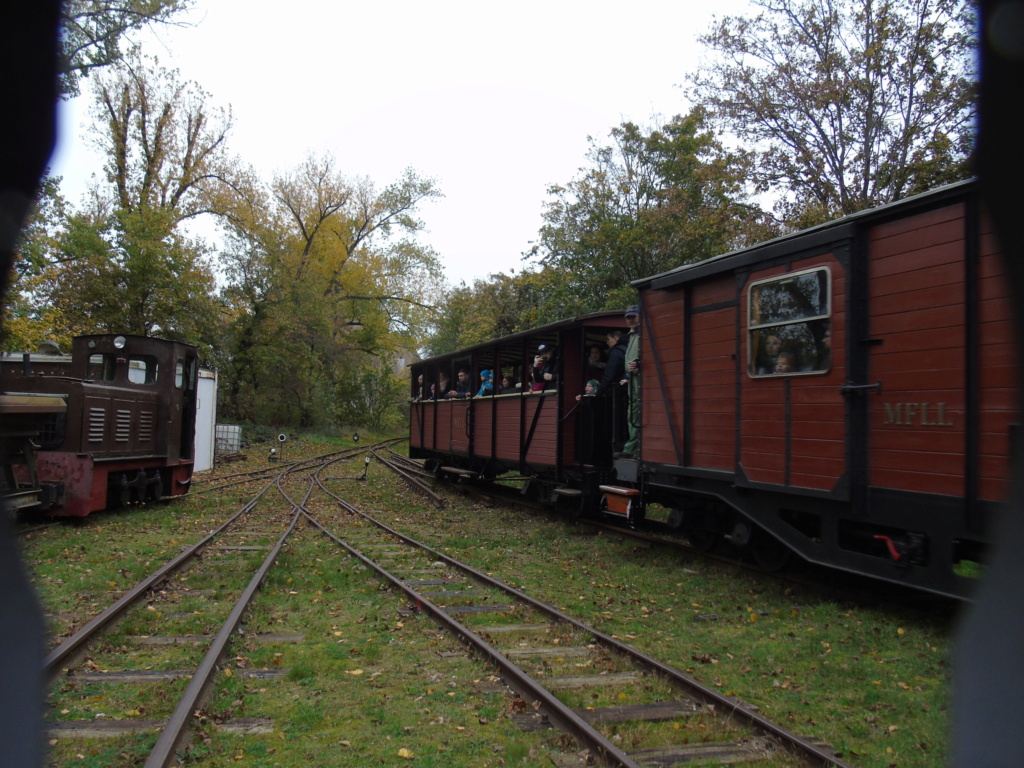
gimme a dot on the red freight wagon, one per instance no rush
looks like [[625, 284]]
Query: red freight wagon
[[845, 393]]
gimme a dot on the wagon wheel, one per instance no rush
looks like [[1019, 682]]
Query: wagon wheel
[[590, 506], [770, 553], [578, 507], [704, 539]]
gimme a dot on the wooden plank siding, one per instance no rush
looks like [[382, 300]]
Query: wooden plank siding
[[917, 322], [506, 447], [818, 410], [998, 394], [713, 375], [661, 382], [541, 449], [484, 412]]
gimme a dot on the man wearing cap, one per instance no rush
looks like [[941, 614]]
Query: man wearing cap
[[632, 445], [547, 374]]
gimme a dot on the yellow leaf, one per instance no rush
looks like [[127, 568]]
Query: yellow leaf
[[354, 672], [406, 754], [227, 672]]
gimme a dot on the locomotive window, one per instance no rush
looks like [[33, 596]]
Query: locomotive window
[[102, 367], [789, 327], [142, 369], [179, 374]]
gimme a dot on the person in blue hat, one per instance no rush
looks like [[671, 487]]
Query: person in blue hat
[[632, 446], [486, 383]]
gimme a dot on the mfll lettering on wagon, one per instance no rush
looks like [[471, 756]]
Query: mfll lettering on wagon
[[917, 415]]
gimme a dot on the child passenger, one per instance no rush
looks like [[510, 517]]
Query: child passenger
[[486, 383], [785, 362], [590, 390]]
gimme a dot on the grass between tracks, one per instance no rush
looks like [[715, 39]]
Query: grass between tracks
[[371, 685]]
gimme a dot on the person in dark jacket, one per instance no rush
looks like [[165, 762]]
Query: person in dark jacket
[[462, 385], [615, 365]]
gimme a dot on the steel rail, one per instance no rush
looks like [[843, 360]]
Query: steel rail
[[175, 731], [58, 655], [708, 695], [413, 481], [570, 722]]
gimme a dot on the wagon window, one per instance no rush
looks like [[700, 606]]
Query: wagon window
[[789, 329], [142, 369]]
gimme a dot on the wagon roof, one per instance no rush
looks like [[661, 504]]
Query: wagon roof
[[831, 231], [594, 318]]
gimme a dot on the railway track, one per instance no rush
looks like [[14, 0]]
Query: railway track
[[570, 674], [184, 622]]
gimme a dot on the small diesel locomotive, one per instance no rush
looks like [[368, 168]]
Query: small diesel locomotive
[[844, 394], [110, 424]]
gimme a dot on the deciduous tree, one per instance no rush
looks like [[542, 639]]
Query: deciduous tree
[[327, 281], [129, 273], [647, 203], [848, 103], [165, 144], [92, 32], [127, 264]]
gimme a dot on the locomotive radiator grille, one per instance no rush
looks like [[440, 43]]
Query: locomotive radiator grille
[[123, 428], [146, 426], [97, 424]]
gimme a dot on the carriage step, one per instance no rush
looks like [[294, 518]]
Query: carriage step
[[618, 490], [619, 500]]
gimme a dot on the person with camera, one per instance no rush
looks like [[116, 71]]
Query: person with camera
[[545, 369]]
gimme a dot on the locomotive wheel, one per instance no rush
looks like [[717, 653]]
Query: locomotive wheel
[[120, 493], [156, 486], [770, 553]]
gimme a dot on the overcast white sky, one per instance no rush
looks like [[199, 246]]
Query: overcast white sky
[[495, 102]]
